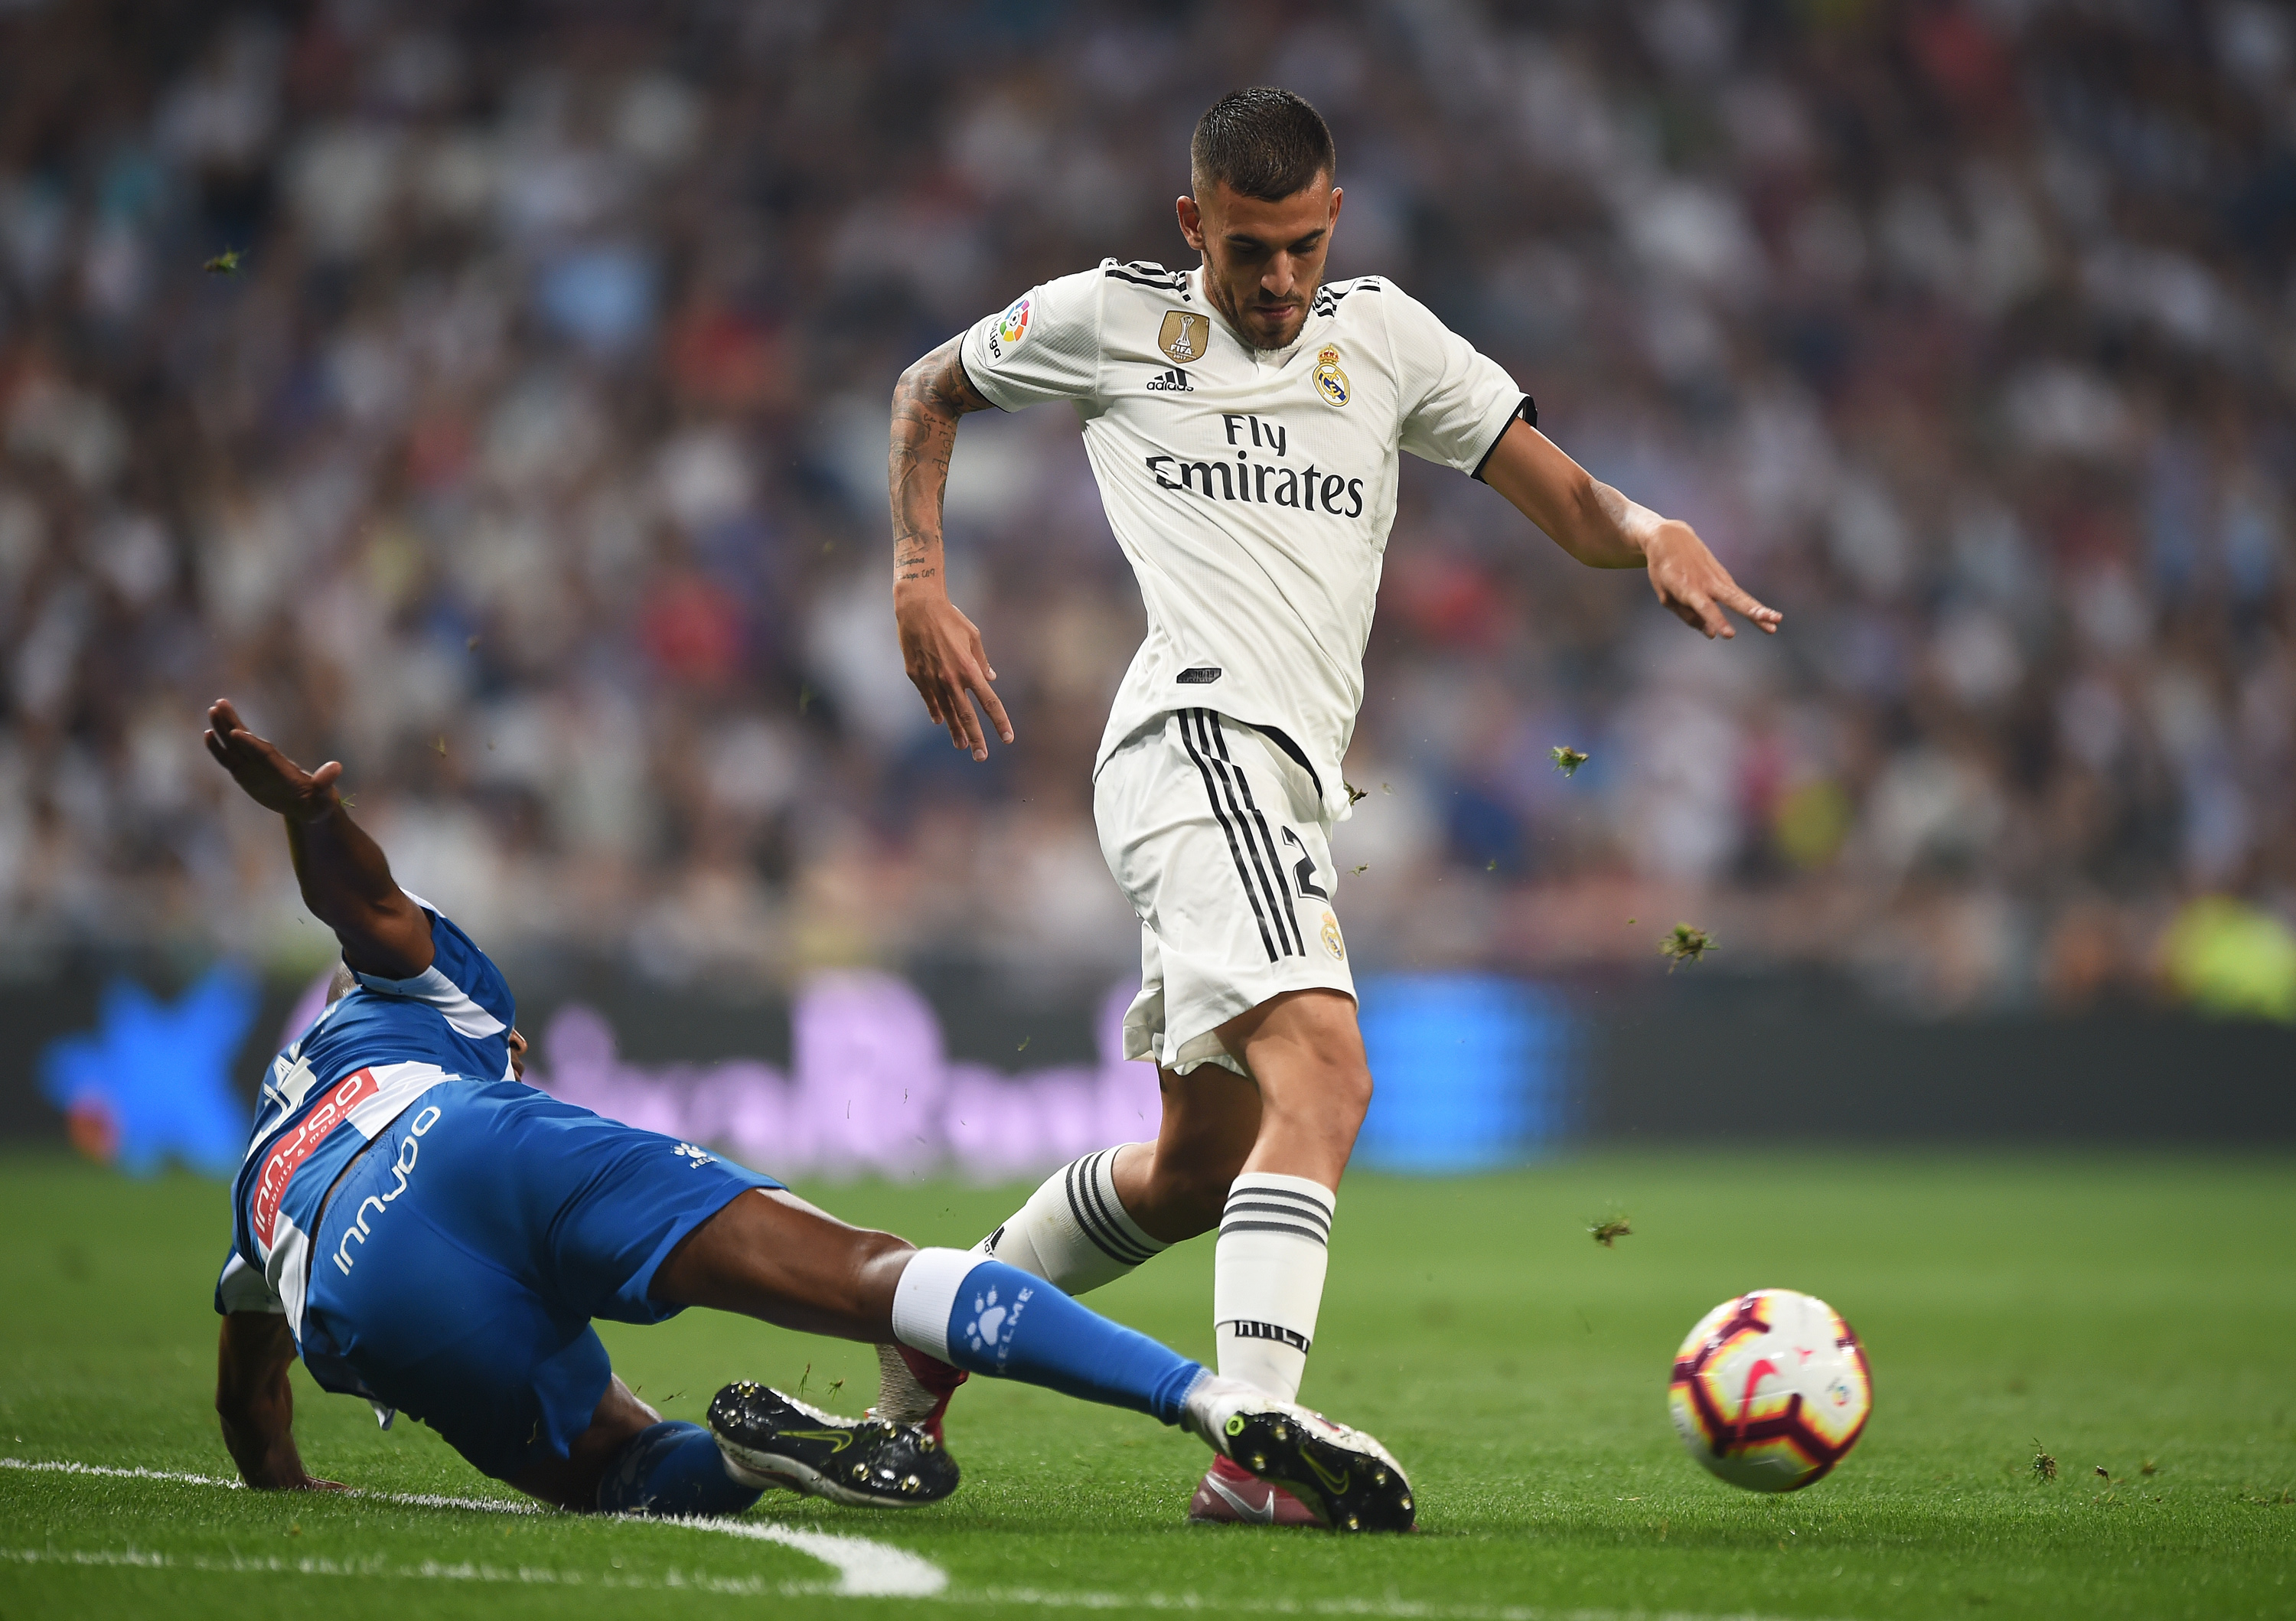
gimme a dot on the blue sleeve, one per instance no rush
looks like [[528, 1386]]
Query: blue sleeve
[[462, 982], [468, 968]]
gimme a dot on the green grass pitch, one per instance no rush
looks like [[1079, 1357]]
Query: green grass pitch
[[2118, 1310]]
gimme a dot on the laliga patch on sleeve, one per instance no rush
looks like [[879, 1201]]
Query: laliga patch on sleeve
[[1012, 327]]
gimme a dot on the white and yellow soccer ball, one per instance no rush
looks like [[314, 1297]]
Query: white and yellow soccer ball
[[1771, 1390]]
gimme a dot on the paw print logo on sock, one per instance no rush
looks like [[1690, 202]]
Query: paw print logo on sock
[[686, 1150], [987, 1317], [993, 1323]]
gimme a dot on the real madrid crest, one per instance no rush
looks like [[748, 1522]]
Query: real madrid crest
[[1185, 336], [1331, 382]]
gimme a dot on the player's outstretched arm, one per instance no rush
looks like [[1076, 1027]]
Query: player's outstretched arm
[[346, 880], [1604, 529], [256, 1404], [940, 646]]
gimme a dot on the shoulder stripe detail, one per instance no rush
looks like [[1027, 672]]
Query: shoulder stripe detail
[[1168, 283], [1328, 297], [453, 1002]]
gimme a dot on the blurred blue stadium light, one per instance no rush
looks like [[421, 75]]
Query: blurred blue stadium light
[[1471, 1071]]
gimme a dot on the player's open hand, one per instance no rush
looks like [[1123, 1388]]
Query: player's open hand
[[1695, 588], [270, 778], [942, 650]]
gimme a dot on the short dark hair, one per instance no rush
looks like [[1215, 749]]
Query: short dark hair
[[1263, 142]]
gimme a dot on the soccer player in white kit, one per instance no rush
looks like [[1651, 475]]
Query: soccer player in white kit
[[1243, 419]]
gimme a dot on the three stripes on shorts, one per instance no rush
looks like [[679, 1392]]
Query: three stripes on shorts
[[1249, 841]]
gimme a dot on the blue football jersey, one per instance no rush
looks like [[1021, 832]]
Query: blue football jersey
[[366, 1056]]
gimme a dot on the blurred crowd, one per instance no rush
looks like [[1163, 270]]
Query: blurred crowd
[[495, 398]]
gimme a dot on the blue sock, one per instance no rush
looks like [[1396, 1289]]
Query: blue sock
[[672, 1469], [997, 1320]]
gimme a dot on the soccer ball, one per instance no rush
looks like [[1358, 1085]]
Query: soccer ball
[[1771, 1390]]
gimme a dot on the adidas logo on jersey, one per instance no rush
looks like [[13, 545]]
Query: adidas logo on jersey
[[1174, 381]]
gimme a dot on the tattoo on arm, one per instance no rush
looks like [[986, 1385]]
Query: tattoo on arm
[[927, 402]]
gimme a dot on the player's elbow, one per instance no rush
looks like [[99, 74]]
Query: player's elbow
[[919, 385]]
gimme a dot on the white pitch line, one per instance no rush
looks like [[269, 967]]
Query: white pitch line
[[864, 1569], [676, 1581], [429, 1570], [124, 1474], [1388, 1609], [413, 1500]]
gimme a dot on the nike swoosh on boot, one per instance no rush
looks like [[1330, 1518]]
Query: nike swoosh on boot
[[1229, 1495]]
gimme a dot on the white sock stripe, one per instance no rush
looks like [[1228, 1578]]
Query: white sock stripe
[[1084, 1219], [1252, 1190], [1309, 1234], [1267, 1279], [1119, 1221], [927, 1294], [1089, 1203], [1298, 1189], [1252, 1206], [1133, 1229]]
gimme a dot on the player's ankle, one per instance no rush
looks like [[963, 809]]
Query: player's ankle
[[1205, 1409]]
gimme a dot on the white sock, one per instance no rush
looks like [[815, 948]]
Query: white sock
[[1268, 1278], [1074, 1232], [925, 1295]]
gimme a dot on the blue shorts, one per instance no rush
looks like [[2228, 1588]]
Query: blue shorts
[[462, 1255]]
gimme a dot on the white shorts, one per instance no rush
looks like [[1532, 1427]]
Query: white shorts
[[1220, 842]]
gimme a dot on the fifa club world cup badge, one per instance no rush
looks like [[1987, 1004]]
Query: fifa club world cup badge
[[1184, 335], [1331, 382]]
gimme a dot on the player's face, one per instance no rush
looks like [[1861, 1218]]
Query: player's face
[[1263, 260]]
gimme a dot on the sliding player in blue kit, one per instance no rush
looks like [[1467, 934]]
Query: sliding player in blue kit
[[429, 1232]]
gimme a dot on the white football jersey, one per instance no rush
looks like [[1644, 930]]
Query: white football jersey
[[1252, 489]]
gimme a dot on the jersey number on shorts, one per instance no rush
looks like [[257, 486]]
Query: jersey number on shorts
[[1305, 872]]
